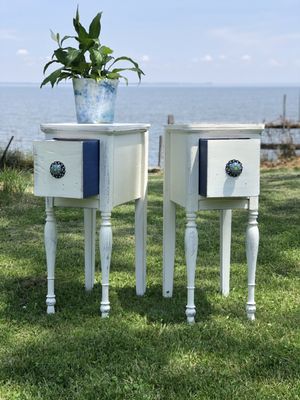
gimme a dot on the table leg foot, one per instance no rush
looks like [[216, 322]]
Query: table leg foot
[[104, 309], [250, 309], [50, 302], [190, 313]]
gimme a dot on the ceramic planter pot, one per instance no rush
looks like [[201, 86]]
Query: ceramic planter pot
[[95, 101]]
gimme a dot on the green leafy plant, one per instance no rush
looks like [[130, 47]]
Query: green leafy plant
[[90, 60]]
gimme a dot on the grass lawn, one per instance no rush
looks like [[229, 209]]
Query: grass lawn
[[145, 350]]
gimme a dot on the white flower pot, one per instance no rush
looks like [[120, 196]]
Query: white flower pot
[[95, 100]]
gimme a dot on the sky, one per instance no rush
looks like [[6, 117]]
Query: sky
[[190, 41]]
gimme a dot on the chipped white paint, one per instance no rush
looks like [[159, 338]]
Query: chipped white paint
[[123, 177], [105, 237], [252, 242], [191, 250], [50, 246], [181, 187], [70, 154]]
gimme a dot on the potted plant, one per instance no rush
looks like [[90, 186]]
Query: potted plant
[[92, 69]]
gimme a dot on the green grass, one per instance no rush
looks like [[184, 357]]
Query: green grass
[[145, 350], [13, 181]]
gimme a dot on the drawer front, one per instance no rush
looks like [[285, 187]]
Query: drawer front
[[229, 167], [66, 168]]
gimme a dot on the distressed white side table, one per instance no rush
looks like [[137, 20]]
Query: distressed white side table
[[94, 167], [211, 167]]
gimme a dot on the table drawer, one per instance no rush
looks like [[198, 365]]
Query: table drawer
[[229, 167], [66, 168]]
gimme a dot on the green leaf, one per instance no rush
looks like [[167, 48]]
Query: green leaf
[[47, 65], [65, 38], [61, 56], [96, 57], [95, 74], [106, 50], [72, 55], [52, 78], [95, 26], [82, 69], [85, 43], [137, 68], [76, 19], [82, 33], [55, 36], [64, 75], [113, 75]]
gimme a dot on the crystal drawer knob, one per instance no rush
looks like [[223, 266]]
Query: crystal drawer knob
[[234, 168], [57, 169]]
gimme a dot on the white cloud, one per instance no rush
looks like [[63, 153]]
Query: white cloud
[[222, 57], [246, 57], [207, 58], [8, 34], [145, 58], [22, 52]]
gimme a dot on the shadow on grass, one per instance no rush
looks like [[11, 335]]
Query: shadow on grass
[[89, 357], [25, 301], [156, 308], [145, 350]]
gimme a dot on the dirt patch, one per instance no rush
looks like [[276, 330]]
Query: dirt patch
[[281, 163]]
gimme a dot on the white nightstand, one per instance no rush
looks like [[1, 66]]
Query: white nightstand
[[95, 167], [211, 167]]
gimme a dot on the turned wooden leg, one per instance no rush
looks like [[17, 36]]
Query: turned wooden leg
[[225, 244], [141, 224], [191, 249], [252, 241], [140, 244], [89, 248], [50, 246], [105, 255], [169, 237]]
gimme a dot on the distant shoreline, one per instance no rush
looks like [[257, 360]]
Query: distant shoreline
[[167, 84]]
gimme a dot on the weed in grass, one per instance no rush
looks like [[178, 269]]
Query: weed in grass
[[13, 181]]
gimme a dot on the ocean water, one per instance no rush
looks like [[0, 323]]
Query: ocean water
[[24, 107]]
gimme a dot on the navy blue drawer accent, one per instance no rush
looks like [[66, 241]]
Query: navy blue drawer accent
[[203, 167], [91, 159]]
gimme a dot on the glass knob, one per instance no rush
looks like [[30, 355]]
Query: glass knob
[[234, 168], [57, 169]]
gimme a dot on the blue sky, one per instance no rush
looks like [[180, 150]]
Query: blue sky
[[218, 41]]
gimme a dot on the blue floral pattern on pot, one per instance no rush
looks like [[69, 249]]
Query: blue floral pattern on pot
[[95, 101]]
